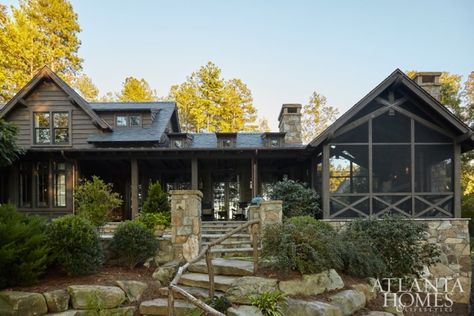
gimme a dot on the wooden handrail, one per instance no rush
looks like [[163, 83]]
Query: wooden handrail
[[206, 251]]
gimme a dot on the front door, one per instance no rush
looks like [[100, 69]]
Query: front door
[[226, 196]]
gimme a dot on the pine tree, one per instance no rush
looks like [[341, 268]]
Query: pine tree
[[136, 90], [317, 116], [86, 88], [156, 200]]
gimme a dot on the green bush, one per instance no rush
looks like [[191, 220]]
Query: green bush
[[269, 303], [156, 200], [401, 244], [94, 200], [134, 243], [151, 220], [360, 258], [75, 245], [297, 199], [302, 245], [24, 256], [220, 304]]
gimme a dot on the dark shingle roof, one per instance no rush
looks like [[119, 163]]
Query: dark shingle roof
[[130, 106], [243, 141]]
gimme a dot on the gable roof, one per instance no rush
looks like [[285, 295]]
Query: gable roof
[[46, 73], [396, 77]]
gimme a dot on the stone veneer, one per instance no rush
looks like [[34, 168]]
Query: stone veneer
[[267, 211], [186, 223], [290, 123], [452, 236]]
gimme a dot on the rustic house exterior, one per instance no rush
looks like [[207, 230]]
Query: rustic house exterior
[[396, 151]]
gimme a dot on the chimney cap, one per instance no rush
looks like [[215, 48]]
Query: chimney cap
[[289, 106]]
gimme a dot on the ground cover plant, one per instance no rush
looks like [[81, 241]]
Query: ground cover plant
[[269, 303]]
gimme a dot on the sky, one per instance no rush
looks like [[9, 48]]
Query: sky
[[283, 50]]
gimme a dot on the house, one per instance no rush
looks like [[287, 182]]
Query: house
[[397, 150]]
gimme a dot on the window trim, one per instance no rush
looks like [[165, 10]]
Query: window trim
[[52, 129]]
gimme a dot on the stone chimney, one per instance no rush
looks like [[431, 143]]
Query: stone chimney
[[430, 82], [290, 123]]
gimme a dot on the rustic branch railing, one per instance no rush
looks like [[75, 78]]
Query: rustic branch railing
[[207, 252]]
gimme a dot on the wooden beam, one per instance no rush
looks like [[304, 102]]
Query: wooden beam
[[325, 187], [254, 177], [134, 187], [457, 181], [371, 186], [194, 174]]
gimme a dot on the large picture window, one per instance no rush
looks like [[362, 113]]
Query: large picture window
[[51, 128]]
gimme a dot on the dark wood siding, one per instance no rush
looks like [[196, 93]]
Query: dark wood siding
[[49, 97]]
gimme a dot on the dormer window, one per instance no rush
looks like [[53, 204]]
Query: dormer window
[[226, 143], [135, 120], [178, 143], [273, 139], [226, 140], [132, 120], [274, 142], [180, 140], [121, 120]]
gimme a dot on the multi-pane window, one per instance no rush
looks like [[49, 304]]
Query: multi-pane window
[[121, 120], [51, 128], [132, 120], [135, 120], [59, 178]]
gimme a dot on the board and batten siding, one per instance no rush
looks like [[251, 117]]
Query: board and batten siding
[[49, 97]]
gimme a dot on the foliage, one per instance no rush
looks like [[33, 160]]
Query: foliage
[[156, 200], [220, 304], [94, 200], [207, 102], [24, 256], [151, 220], [269, 303], [9, 150], [134, 243], [263, 125], [86, 88], [317, 115], [401, 244], [75, 245], [95, 304], [307, 246], [297, 198], [37, 33], [136, 90]]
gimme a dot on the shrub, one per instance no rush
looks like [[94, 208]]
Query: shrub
[[360, 258], [75, 245], [401, 244], [220, 304], [297, 199], [269, 303], [156, 200], [24, 256], [151, 220], [94, 200], [134, 243], [304, 246]]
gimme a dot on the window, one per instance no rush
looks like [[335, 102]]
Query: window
[[121, 120], [51, 132], [274, 142], [227, 143], [59, 184], [42, 184], [135, 120], [178, 143]]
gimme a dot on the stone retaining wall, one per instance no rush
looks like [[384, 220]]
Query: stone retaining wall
[[452, 236]]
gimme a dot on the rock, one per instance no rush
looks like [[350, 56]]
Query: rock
[[313, 284], [57, 301], [244, 310], [377, 313], [224, 267], [365, 289], [349, 301], [120, 311], [133, 289], [165, 251], [87, 296], [70, 312], [310, 308], [221, 282], [393, 310], [166, 273], [159, 306], [22, 303], [243, 288]]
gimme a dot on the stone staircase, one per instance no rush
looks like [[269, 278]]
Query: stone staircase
[[196, 282], [236, 246]]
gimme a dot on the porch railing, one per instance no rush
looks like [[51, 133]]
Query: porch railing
[[173, 288]]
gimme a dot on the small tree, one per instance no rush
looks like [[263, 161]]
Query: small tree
[[94, 200], [9, 150], [297, 199], [156, 200]]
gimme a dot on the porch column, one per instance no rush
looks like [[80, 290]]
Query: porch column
[[325, 186], [134, 189], [254, 177], [194, 174], [457, 181]]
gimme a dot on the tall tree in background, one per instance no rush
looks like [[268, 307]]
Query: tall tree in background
[[37, 33], [317, 116], [86, 88], [208, 102], [263, 125], [136, 90], [9, 150]]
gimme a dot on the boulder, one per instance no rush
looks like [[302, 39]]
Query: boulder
[[70, 312], [310, 308], [164, 274], [120, 311], [159, 306], [244, 310], [367, 290], [57, 301], [312, 284], [88, 296], [133, 289], [348, 301], [22, 303], [243, 288]]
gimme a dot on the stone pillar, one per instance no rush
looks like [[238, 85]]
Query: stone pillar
[[269, 212], [186, 223], [290, 123]]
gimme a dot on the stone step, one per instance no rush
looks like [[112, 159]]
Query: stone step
[[227, 267], [231, 244], [221, 282], [159, 306], [225, 250], [197, 292], [216, 236], [235, 223]]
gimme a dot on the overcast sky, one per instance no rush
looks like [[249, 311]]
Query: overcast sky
[[283, 50]]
